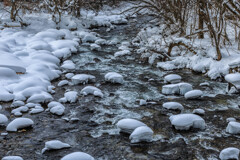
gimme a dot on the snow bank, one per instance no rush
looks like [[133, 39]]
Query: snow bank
[[129, 125], [5, 96], [233, 128], [194, 94], [173, 106], [12, 62], [172, 78], [180, 88], [54, 145], [229, 153], [83, 79], [114, 77], [185, 121], [92, 90], [19, 123], [77, 156], [141, 134], [8, 74]]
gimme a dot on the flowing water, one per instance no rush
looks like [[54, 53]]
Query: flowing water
[[95, 132]]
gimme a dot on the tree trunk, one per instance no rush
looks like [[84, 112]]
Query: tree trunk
[[200, 19]]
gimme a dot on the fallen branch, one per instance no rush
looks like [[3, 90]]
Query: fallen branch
[[177, 44]]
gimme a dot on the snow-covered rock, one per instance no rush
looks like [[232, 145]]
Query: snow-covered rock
[[83, 79], [114, 77], [173, 106], [69, 75], [180, 88], [3, 119], [92, 90], [62, 83], [194, 94], [233, 78], [231, 119], [18, 111], [54, 145], [185, 121], [204, 84], [19, 123], [129, 125], [95, 47], [62, 53], [68, 64], [184, 88], [142, 102], [12, 158], [141, 134], [17, 104], [229, 153], [122, 53], [198, 111], [101, 42], [233, 128], [56, 108], [70, 96], [36, 109], [77, 156], [172, 78]]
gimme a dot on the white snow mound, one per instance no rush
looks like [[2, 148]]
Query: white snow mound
[[78, 156], [114, 77], [128, 125], [19, 123], [179, 88], [194, 94], [233, 128], [173, 105], [83, 79], [56, 108], [229, 153], [141, 134], [172, 78], [12, 158], [92, 90], [185, 121], [54, 144]]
